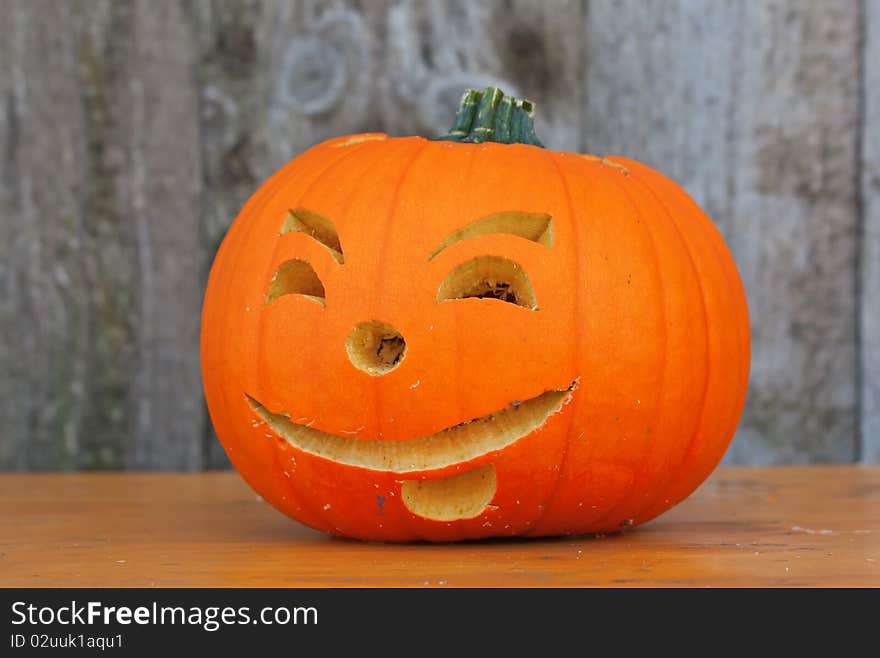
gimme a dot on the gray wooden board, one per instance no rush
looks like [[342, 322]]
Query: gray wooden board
[[869, 298], [67, 251], [131, 134], [100, 232]]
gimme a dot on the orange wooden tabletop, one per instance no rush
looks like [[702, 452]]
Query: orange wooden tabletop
[[780, 526]]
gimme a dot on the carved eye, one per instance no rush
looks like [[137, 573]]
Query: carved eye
[[296, 277], [489, 277]]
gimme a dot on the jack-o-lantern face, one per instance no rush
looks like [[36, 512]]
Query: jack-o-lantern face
[[405, 339], [378, 348]]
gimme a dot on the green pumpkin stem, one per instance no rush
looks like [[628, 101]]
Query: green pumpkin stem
[[493, 116]]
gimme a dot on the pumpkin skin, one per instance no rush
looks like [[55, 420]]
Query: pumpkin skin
[[641, 314]]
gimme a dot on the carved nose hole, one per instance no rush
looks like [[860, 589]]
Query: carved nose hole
[[375, 347]]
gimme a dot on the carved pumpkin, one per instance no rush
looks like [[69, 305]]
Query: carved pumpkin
[[473, 336]]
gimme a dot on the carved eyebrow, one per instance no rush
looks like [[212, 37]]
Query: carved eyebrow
[[537, 227], [317, 227]]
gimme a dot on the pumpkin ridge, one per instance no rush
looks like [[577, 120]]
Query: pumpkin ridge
[[664, 487], [382, 152], [730, 272], [576, 310], [715, 240], [733, 284], [638, 471]]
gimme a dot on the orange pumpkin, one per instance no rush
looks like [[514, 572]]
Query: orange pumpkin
[[474, 336]]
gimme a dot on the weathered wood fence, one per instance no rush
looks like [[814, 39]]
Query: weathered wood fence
[[131, 133]]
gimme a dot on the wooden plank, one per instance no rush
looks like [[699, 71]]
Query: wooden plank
[[100, 196], [159, 120], [753, 107], [106, 232], [232, 107], [869, 297], [65, 249], [786, 526]]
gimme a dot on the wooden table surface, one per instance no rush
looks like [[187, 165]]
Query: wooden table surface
[[780, 526]]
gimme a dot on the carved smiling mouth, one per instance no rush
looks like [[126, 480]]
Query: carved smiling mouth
[[463, 495]]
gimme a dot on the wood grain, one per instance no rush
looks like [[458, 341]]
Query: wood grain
[[754, 109], [66, 249], [782, 526], [161, 199], [100, 238], [131, 134], [869, 298]]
